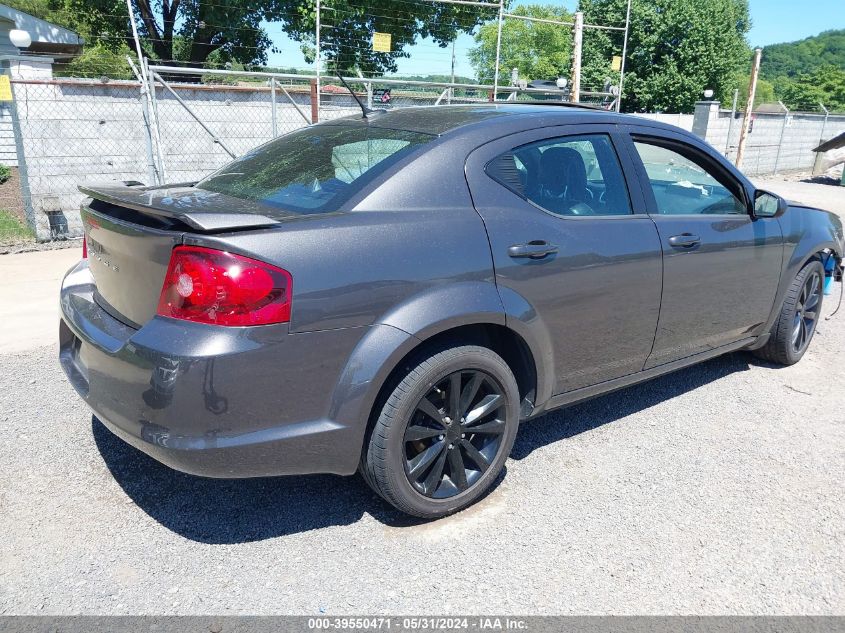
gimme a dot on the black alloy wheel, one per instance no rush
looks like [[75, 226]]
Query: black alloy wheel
[[454, 434], [807, 312], [796, 323], [444, 433]]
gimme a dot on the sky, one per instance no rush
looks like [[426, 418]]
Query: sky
[[773, 21]]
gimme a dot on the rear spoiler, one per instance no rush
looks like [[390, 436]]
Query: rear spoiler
[[157, 201]]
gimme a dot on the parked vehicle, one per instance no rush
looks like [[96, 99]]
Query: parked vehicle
[[394, 294]]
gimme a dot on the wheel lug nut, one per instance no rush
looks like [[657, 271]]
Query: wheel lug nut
[[463, 435], [439, 437], [451, 446]]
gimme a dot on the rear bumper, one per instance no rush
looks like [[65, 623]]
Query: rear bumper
[[209, 400]]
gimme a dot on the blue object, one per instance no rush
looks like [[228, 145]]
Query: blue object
[[829, 264]]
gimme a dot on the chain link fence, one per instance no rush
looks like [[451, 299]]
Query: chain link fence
[[59, 133], [777, 142]]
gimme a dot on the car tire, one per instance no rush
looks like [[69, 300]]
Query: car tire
[[793, 329], [408, 445]]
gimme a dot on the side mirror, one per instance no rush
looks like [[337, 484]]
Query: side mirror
[[768, 205]]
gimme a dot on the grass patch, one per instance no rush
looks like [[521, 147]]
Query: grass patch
[[12, 228]]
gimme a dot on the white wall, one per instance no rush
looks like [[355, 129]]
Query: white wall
[[801, 133]]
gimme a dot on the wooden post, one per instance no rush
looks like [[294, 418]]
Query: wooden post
[[315, 108], [577, 41], [749, 107]]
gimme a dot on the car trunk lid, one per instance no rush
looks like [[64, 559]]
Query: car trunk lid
[[131, 232]]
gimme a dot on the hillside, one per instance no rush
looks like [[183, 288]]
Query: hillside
[[804, 56]]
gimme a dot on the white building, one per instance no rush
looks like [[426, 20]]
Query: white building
[[49, 44]]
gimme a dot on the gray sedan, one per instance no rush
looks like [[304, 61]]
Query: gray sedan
[[393, 294]]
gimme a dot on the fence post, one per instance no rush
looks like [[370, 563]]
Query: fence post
[[315, 101], [749, 107], [151, 88], [782, 132], [817, 164], [624, 54], [498, 49], [273, 104], [577, 42], [152, 168], [23, 172], [317, 64], [731, 123]]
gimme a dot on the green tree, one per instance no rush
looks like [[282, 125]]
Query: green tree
[[676, 50], [537, 50], [825, 85], [803, 57], [199, 32], [204, 33], [350, 24], [98, 61]]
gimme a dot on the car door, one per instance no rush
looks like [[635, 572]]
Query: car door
[[568, 237], [720, 266]]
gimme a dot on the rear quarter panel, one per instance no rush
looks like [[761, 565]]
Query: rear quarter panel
[[416, 230]]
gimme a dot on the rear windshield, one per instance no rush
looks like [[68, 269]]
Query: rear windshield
[[314, 169]]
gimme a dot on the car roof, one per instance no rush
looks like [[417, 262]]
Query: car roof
[[443, 119]]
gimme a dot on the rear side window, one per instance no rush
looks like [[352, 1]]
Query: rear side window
[[313, 170], [572, 175]]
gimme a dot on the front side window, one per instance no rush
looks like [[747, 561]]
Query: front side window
[[682, 186], [568, 176], [313, 170]]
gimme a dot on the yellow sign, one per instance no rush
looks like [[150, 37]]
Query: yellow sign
[[616, 64], [5, 88], [381, 42]]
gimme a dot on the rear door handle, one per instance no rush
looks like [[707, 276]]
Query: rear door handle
[[535, 249], [684, 240]]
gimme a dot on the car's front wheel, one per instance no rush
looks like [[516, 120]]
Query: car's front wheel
[[796, 324], [444, 433]]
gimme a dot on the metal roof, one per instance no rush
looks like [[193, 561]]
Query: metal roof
[[835, 143], [40, 30]]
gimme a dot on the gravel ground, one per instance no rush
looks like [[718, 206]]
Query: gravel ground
[[716, 490]]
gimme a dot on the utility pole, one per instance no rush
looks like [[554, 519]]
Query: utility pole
[[498, 48], [452, 88], [749, 107], [624, 55], [731, 123], [577, 42], [317, 55], [453, 61]]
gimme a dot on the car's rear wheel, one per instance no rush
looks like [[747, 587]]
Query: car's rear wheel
[[444, 433], [796, 324]]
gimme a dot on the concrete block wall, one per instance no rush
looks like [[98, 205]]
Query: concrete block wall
[[8, 153], [683, 121], [801, 132]]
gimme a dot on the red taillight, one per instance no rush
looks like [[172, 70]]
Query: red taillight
[[222, 288], [84, 248]]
